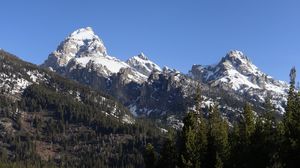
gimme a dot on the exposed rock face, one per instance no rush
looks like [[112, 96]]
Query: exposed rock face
[[16, 76], [165, 94], [142, 64], [81, 43], [235, 72], [82, 49]]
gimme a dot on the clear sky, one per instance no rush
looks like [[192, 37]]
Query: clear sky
[[176, 33]]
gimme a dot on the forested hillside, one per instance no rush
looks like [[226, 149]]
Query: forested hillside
[[252, 141], [49, 121]]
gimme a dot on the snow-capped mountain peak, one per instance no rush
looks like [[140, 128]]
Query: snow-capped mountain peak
[[142, 64], [239, 61], [85, 42], [83, 49], [142, 56], [81, 43], [83, 34], [237, 73], [237, 55]]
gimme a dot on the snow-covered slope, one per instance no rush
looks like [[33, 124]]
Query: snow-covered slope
[[142, 64], [83, 49], [236, 72], [148, 90], [16, 76], [81, 43]]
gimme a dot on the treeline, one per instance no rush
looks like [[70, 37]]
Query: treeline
[[60, 123], [252, 141], [78, 133]]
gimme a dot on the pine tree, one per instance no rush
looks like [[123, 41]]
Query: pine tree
[[291, 103], [201, 134], [218, 145], [274, 130], [168, 156], [291, 145], [150, 156], [241, 137], [235, 144], [194, 136], [266, 138], [269, 115], [188, 151], [248, 123]]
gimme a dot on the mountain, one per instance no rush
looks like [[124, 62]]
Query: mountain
[[165, 94], [82, 49], [16, 76], [143, 65], [82, 56], [80, 43], [47, 120], [235, 72]]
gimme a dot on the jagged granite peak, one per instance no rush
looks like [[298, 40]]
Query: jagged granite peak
[[239, 61], [143, 56], [16, 76], [83, 34], [236, 72], [234, 60], [236, 55], [81, 43], [170, 70], [87, 40], [83, 49], [142, 64], [148, 90]]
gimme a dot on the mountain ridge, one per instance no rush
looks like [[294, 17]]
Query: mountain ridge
[[148, 90], [236, 72], [45, 118]]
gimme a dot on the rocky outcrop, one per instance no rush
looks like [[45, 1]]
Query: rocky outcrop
[[142, 64], [165, 94], [236, 73]]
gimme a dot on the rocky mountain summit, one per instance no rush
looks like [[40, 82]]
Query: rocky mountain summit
[[17, 76], [165, 94], [142, 64], [81, 43], [235, 72], [45, 118], [82, 49]]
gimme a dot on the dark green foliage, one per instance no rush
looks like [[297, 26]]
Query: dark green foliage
[[189, 152], [291, 122], [218, 146], [168, 154], [247, 125], [50, 125], [241, 139], [150, 156], [252, 141], [193, 138], [47, 126]]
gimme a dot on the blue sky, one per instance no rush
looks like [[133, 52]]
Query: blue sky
[[176, 33]]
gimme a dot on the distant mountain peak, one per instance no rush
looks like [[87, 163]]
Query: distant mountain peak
[[83, 34], [82, 42], [84, 50], [236, 57], [142, 56], [142, 64], [237, 60], [236, 72], [236, 54], [86, 42]]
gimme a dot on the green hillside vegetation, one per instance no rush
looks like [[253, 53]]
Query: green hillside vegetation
[[263, 141], [48, 127]]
